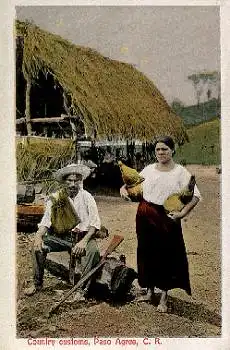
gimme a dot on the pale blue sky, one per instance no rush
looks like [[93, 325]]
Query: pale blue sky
[[166, 43]]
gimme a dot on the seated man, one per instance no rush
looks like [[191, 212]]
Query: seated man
[[71, 211]]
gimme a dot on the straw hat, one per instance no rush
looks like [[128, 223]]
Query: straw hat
[[72, 169]]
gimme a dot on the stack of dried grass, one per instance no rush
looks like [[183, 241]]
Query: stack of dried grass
[[38, 159]]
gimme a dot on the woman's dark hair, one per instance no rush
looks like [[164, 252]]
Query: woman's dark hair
[[167, 140]]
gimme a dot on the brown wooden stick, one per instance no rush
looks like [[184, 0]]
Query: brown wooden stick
[[116, 240], [63, 118]]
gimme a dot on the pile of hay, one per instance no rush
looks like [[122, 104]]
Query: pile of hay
[[38, 159]]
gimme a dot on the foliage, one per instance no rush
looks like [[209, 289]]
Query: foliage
[[112, 98], [194, 115], [205, 80], [205, 76], [177, 106], [204, 145]]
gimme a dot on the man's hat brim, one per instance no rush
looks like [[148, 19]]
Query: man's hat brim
[[81, 169]]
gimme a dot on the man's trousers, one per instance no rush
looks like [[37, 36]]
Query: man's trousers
[[56, 244]]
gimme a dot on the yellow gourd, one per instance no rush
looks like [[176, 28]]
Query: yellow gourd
[[132, 179], [63, 215], [177, 201]]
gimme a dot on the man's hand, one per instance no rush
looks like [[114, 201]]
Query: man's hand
[[175, 215], [75, 230], [102, 233], [79, 248], [38, 241]]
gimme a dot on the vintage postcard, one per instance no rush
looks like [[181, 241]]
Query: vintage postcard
[[116, 176]]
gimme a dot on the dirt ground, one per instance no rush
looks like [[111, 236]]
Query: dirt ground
[[196, 316]]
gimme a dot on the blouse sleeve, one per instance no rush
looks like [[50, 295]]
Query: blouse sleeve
[[185, 177], [144, 171]]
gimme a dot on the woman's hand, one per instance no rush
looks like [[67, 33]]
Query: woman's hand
[[124, 193], [175, 215]]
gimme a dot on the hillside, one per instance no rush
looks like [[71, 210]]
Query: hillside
[[194, 115], [204, 145]]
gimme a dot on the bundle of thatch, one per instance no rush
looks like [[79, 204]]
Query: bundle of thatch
[[38, 159], [112, 98]]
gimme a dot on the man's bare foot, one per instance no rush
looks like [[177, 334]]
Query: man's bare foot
[[145, 298], [32, 290], [76, 297]]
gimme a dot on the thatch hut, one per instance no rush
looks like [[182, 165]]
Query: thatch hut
[[109, 98]]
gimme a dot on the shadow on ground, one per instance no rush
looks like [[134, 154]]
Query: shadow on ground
[[193, 312], [33, 320]]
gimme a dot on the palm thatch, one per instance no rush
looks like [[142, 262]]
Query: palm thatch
[[112, 98]]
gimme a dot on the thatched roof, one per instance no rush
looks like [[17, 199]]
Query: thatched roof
[[113, 98]]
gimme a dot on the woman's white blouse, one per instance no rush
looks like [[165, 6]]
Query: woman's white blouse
[[85, 207], [158, 185]]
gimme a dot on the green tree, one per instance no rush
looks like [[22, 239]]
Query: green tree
[[177, 106], [197, 86], [206, 80]]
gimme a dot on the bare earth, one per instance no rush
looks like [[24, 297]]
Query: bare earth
[[196, 316]]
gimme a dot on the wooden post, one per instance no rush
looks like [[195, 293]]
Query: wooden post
[[76, 143], [94, 154], [74, 129], [27, 110], [127, 150]]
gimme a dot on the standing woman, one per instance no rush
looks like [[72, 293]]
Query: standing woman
[[161, 253]]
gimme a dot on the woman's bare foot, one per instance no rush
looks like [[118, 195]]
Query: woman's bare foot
[[162, 307]]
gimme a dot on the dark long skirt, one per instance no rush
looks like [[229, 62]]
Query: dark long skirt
[[161, 254]]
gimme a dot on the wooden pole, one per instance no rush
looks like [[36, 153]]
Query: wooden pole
[[27, 110], [64, 118], [74, 129], [75, 140]]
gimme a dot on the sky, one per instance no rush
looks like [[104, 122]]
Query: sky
[[166, 43]]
